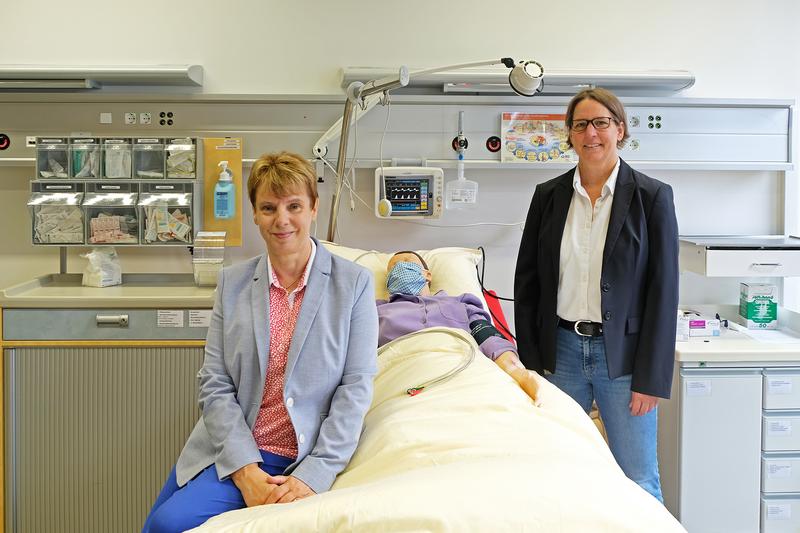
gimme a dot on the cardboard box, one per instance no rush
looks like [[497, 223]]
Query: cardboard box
[[682, 328], [701, 326], [758, 305]]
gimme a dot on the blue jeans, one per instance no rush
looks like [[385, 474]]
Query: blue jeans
[[582, 372], [181, 508]]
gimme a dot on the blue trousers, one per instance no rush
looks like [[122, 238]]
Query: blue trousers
[[180, 508], [582, 372]]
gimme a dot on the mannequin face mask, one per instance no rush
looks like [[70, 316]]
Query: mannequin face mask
[[406, 278]]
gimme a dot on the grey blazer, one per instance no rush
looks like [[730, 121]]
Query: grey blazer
[[329, 372]]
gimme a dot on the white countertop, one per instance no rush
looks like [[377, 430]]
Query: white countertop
[[136, 291], [738, 344]]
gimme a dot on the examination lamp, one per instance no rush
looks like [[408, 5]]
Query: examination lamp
[[525, 79]]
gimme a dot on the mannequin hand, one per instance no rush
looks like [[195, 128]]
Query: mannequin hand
[[526, 379]]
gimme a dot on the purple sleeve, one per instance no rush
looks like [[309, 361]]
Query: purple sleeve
[[493, 346]]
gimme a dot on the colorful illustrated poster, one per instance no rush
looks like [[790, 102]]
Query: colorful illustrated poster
[[535, 137]]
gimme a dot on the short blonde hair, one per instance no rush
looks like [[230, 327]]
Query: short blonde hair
[[282, 173]]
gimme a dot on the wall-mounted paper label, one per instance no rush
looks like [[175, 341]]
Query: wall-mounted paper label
[[698, 387], [199, 318], [779, 470], [779, 511], [170, 318], [779, 428], [779, 386]]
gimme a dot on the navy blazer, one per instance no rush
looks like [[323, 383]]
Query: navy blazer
[[639, 279]]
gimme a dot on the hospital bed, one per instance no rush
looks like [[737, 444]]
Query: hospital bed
[[469, 453]]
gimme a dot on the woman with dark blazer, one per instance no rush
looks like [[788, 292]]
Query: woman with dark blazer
[[596, 285], [289, 362]]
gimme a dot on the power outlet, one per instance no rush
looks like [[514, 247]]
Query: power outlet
[[130, 118], [145, 118]]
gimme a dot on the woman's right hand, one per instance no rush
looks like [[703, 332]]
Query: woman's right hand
[[253, 483]]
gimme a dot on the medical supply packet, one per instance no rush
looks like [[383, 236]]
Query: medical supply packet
[[103, 269]]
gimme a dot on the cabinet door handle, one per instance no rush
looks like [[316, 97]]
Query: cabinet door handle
[[120, 321], [765, 266]]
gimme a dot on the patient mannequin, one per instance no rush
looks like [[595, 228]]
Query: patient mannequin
[[411, 307]]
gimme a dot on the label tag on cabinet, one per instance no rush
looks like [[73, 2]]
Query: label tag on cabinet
[[698, 387], [779, 470], [779, 428], [779, 386], [170, 318], [779, 511]]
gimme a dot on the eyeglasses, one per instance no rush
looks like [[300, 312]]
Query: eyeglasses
[[599, 123]]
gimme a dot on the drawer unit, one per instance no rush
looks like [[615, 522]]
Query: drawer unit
[[773, 256], [780, 432], [105, 324], [780, 473], [780, 514], [781, 389]]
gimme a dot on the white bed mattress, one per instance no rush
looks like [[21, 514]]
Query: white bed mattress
[[470, 454]]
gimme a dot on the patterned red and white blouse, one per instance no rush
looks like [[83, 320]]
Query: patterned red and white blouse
[[273, 430]]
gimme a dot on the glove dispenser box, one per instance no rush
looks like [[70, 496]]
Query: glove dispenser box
[[111, 214], [56, 213], [166, 213]]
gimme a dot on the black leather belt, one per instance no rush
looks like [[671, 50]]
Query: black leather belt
[[584, 328]]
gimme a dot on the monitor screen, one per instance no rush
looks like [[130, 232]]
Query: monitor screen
[[409, 195]]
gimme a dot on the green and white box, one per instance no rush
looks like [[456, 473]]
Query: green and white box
[[757, 305]]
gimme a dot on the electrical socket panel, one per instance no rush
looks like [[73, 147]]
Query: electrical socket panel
[[145, 118], [130, 118]]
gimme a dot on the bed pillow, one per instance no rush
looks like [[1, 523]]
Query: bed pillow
[[453, 269]]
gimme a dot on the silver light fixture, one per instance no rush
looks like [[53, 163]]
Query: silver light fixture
[[525, 78]]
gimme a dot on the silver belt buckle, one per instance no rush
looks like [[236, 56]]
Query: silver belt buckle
[[575, 327]]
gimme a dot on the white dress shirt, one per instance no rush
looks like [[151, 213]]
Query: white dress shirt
[[581, 257]]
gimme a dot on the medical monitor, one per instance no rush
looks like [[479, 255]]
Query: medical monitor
[[410, 192]]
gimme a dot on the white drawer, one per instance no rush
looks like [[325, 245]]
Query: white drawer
[[781, 389], [780, 432], [780, 514], [739, 263], [780, 473], [773, 263]]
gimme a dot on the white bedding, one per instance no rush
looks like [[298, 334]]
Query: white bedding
[[470, 454]]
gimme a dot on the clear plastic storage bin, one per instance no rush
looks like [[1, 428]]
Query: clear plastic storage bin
[[56, 213], [208, 257], [181, 158], [148, 158], [117, 158], [111, 214], [166, 212], [85, 157], [52, 157]]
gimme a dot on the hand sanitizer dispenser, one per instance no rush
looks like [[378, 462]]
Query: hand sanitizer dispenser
[[224, 194]]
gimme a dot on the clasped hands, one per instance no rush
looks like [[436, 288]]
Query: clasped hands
[[259, 488]]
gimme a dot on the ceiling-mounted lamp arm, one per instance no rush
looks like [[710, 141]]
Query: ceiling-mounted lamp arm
[[356, 94], [521, 79]]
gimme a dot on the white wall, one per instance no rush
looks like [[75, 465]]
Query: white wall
[[268, 47], [735, 47]]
